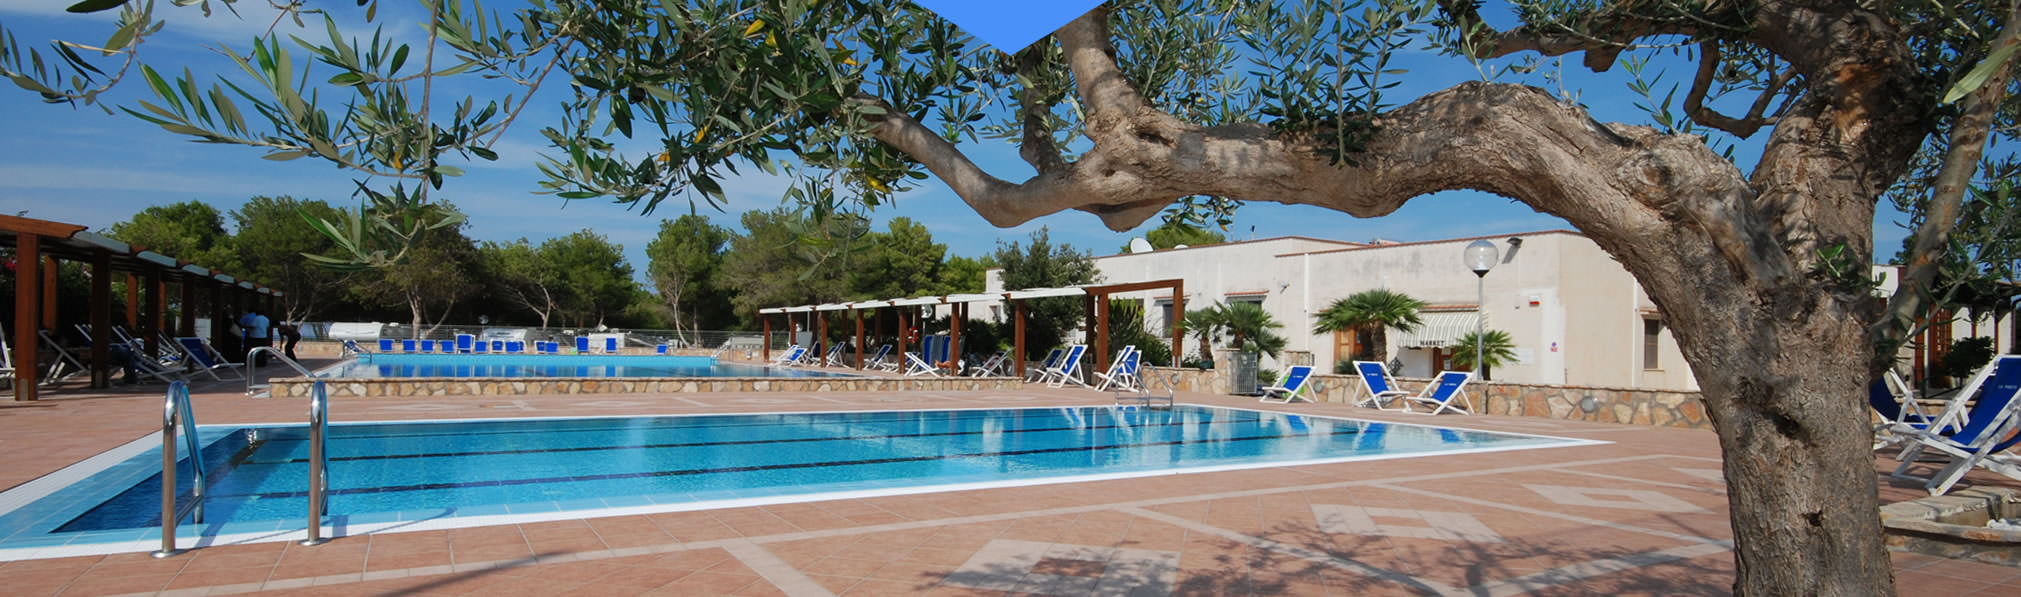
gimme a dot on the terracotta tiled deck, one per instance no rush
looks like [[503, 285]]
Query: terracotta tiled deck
[[1643, 515]]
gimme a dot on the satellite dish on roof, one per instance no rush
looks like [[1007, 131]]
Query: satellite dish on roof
[[1178, 246], [1139, 245]]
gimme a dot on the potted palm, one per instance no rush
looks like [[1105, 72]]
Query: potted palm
[[1372, 312]]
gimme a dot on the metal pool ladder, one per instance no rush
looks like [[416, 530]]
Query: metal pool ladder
[[175, 411], [319, 462], [278, 356], [319, 425]]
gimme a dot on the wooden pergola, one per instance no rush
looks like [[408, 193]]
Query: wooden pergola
[[1096, 301], [38, 247]]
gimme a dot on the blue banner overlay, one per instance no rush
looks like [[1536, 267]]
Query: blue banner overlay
[[1010, 26]]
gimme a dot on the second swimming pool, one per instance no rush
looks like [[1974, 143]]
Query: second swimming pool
[[404, 473], [384, 365]]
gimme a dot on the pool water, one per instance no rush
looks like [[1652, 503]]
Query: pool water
[[421, 471], [373, 366]]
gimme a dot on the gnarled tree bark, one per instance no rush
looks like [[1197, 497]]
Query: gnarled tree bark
[[1782, 353]]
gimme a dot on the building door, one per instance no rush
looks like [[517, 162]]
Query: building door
[[1349, 345]]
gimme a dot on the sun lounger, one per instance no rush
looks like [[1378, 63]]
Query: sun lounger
[[1122, 374], [1376, 385], [1292, 387], [1445, 393], [1068, 370], [63, 358], [914, 366], [207, 359], [877, 360], [791, 357], [1039, 373], [465, 343], [1983, 431], [994, 366]]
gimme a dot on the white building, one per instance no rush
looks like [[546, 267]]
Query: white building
[[1577, 316]]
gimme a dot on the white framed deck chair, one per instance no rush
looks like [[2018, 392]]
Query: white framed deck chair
[[385, 345], [1445, 393], [206, 359], [582, 344], [480, 348], [1039, 373], [1291, 387], [140, 348], [1982, 433], [1069, 369], [1122, 374], [834, 357], [428, 346], [991, 366], [155, 369], [351, 348], [498, 345], [63, 358], [611, 343], [409, 345], [1900, 413], [465, 343], [1376, 385], [914, 366], [880, 360], [792, 356], [6, 359]]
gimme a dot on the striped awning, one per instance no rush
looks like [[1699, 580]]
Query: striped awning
[[1439, 330]]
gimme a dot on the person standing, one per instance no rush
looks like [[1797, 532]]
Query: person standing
[[258, 333], [291, 334]]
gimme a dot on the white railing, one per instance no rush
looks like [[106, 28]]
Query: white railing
[[175, 412]]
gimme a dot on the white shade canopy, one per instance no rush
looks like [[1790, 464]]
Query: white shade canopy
[[1030, 293]]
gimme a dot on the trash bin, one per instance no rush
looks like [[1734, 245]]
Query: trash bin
[[1241, 370]]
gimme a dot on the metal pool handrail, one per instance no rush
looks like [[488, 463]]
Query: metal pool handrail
[[277, 355], [319, 462], [176, 409], [1143, 392]]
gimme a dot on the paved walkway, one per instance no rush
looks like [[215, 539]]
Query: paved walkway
[[1645, 514]]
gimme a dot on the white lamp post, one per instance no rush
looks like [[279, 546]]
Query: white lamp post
[[1480, 256]]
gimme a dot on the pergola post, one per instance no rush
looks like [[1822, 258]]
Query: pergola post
[[27, 314], [903, 332], [150, 311], [821, 335], [49, 298], [954, 336], [186, 318], [221, 317], [765, 347], [132, 302], [101, 319], [1018, 333], [1101, 332], [859, 337], [1178, 313]]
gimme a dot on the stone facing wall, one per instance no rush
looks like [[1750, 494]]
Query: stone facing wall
[[1630, 406], [296, 387]]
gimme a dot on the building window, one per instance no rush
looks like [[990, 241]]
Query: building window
[[1165, 311], [1652, 329]]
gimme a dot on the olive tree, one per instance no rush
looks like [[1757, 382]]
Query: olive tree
[[1137, 105]]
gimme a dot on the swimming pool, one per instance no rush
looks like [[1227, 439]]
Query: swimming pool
[[382, 366], [444, 474]]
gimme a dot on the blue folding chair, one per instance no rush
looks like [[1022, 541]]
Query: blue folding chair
[[385, 345], [408, 345], [582, 344]]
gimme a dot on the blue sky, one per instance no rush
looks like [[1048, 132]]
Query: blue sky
[[87, 167]]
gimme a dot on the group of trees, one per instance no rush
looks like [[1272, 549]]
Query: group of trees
[[699, 275]]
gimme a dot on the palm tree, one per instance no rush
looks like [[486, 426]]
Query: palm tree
[[1373, 311], [1248, 321], [1206, 323], [1499, 348]]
